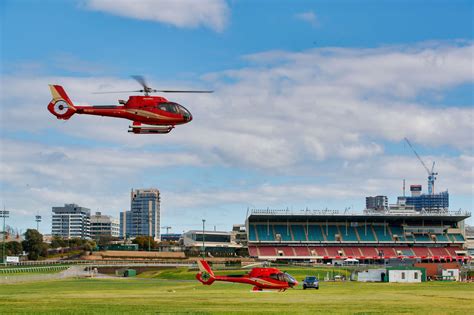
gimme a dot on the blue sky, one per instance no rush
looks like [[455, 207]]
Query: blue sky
[[312, 102]]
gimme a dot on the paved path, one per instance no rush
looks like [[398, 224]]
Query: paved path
[[71, 272]]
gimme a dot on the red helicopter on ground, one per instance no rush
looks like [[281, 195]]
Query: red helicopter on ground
[[260, 278], [156, 113]]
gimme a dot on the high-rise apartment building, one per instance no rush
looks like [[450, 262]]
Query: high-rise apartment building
[[143, 219], [71, 221]]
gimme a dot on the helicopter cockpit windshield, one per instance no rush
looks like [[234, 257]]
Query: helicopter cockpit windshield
[[284, 277], [175, 108], [289, 279]]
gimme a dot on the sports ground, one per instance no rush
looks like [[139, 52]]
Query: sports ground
[[151, 296]]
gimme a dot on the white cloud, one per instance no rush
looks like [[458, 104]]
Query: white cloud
[[213, 14], [309, 17], [326, 115]]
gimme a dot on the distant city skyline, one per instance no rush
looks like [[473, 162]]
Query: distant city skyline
[[311, 106]]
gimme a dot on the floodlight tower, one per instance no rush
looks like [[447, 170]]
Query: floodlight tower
[[168, 228], [4, 214], [38, 220], [431, 173]]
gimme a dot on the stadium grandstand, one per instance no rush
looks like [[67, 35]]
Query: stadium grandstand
[[328, 235]]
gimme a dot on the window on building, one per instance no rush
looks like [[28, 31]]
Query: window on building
[[416, 275], [403, 276]]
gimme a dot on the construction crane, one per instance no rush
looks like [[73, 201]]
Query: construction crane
[[431, 173], [168, 228]]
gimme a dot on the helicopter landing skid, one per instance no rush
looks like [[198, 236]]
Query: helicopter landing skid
[[148, 129]]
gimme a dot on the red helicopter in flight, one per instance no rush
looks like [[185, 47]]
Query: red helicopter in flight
[[260, 278], [150, 114]]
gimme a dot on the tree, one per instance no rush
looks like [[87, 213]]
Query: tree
[[33, 245], [106, 240], [143, 242], [58, 241], [14, 248]]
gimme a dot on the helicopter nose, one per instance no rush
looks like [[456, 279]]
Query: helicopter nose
[[189, 117]]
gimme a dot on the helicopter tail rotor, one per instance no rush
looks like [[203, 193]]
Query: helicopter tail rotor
[[61, 105]]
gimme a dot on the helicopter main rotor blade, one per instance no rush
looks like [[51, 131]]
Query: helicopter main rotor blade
[[117, 92], [140, 79], [182, 91]]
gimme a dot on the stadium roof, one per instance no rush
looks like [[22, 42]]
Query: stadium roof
[[341, 216]]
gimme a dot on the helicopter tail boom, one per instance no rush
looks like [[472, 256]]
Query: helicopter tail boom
[[61, 105]]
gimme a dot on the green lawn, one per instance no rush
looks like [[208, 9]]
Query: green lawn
[[147, 296]]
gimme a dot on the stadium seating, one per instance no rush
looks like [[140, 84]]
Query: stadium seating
[[441, 238], [381, 236], [439, 251], [405, 251], [267, 251], [368, 251], [351, 251], [252, 234], [263, 233], [398, 230], [457, 237], [302, 251], [284, 231], [333, 251], [253, 251], [421, 251], [331, 232], [452, 251], [369, 237], [387, 251], [318, 251], [299, 233], [287, 251], [314, 233], [351, 235], [423, 238]]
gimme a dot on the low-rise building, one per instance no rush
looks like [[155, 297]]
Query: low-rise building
[[214, 242], [104, 225]]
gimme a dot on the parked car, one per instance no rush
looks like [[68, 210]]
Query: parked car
[[310, 282]]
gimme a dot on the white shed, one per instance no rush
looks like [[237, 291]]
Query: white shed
[[372, 275], [405, 276], [450, 274]]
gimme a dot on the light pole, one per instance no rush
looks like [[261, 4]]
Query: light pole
[[203, 237], [38, 220], [4, 214]]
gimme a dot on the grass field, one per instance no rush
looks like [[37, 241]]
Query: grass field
[[152, 296]]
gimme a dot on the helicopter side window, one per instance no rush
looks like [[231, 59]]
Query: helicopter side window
[[274, 276], [168, 107], [278, 276]]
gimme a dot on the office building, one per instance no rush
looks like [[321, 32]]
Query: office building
[[71, 221], [104, 225], [143, 219], [379, 203]]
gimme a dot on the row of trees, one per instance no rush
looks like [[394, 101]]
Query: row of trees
[[36, 249]]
